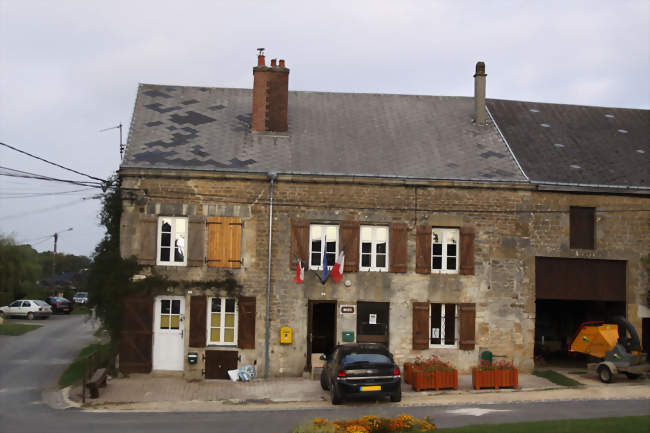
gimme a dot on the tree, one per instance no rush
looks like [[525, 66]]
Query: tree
[[19, 270], [109, 276]]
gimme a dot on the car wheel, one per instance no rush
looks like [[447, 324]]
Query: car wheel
[[30, 316], [604, 374], [396, 397], [2, 314], [335, 394], [323, 380]]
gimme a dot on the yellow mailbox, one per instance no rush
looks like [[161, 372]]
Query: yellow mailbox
[[285, 335]]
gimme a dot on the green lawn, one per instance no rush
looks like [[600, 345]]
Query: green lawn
[[630, 424], [74, 372], [8, 328], [556, 378]]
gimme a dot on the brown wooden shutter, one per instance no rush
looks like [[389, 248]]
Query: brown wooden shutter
[[349, 234], [299, 242], [233, 238], [467, 326], [582, 227], [246, 328], [420, 325], [397, 245], [198, 321], [423, 250], [467, 251], [196, 241], [224, 242], [136, 332], [148, 228]]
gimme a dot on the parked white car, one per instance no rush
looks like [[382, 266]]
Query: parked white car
[[80, 298], [28, 308]]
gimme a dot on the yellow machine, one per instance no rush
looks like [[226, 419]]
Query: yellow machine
[[610, 342]]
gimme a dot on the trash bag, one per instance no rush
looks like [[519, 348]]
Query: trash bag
[[247, 373], [234, 375]]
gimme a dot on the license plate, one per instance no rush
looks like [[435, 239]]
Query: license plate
[[66, 309], [371, 388]]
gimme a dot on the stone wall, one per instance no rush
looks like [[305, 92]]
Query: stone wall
[[508, 238]]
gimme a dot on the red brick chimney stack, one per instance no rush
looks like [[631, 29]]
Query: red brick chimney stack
[[270, 95]]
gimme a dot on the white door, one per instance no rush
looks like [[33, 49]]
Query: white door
[[168, 332]]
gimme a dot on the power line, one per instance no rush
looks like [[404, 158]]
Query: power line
[[12, 195], [52, 163], [11, 172], [58, 206]]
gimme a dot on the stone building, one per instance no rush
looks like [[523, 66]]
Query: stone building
[[458, 225]]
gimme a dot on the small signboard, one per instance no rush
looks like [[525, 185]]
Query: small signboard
[[372, 319], [347, 309]]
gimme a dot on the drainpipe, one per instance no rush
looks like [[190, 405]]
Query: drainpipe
[[272, 177]]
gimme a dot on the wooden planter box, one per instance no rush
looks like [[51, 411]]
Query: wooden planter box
[[434, 380], [495, 378], [508, 378], [408, 372]]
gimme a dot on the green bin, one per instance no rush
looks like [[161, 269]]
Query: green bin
[[348, 336]]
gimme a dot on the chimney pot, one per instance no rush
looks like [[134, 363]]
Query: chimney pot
[[282, 63], [260, 60], [273, 63]]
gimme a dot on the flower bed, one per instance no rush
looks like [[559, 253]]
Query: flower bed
[[500, 375], [368, 424], [432, 373]]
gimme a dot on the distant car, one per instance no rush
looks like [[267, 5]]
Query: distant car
[[80, 298], [28, 308], [59, 305], [361, 369]]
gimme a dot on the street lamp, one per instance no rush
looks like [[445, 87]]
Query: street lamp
[[56, 238]]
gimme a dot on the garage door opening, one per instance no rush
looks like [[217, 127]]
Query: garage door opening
[[556, 323], [568, 293]]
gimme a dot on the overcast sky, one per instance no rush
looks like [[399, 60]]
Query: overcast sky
[[71, 68]]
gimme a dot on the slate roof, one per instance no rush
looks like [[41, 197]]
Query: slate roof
[[577, 144], [404, 136]]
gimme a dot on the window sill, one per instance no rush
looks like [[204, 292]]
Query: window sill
[[222, 346], [442, 346], [373, 269], [172, 265]]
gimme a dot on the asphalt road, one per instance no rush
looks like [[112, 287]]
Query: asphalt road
[[33, 362]]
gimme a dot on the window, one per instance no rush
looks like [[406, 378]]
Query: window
[[323, 239], [172, 234], [222, 324], [374, 247], [444, 251], [170, 313], [443, 325], [582, 227]]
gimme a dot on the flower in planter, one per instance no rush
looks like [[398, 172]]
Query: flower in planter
[[486, 365], [504, 365]]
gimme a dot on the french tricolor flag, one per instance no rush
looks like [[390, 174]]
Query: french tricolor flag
[[337, 269], [300, 273]]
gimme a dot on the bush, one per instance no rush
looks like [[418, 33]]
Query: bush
[[368, 424]]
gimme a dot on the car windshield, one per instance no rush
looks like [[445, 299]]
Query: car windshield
[[42, 303], [82, 295], [365, 358]]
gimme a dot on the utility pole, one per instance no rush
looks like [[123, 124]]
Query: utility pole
[[56, 238]]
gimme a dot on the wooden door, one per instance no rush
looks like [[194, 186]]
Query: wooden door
[[136, 334], [218, 362], [321, 328]]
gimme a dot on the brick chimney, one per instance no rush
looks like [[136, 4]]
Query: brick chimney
[[480, 117], [270, 95]]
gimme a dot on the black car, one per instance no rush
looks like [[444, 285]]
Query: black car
[[361, 369], [59, 305]]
